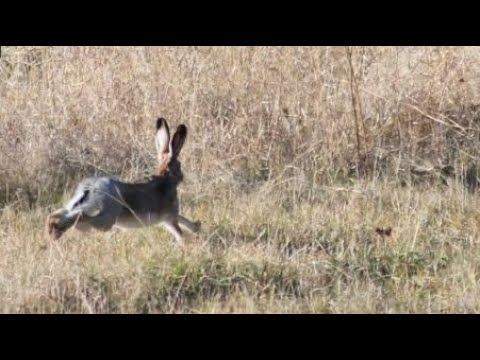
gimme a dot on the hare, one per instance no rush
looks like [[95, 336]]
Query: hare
[[102, 202]]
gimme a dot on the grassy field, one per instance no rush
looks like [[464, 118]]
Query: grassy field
[[327, 179]]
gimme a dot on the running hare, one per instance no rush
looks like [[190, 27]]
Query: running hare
[[101, 202]]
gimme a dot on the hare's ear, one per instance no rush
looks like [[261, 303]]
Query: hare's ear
[[178, 140], [162, 138], [162, 142]]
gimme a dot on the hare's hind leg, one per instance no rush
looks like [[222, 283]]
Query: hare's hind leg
[[60, 221], [191, 226]]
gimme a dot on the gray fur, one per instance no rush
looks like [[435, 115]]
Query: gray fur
[[102, 202]]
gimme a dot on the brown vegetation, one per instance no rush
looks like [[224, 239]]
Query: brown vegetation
[[327, 179]]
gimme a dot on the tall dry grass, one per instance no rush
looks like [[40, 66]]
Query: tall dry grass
[[297, 158]]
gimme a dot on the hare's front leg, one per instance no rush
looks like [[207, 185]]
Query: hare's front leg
[[174, 229], [191, 226]]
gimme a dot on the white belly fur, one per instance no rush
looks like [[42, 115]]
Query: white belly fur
[[133, 222]]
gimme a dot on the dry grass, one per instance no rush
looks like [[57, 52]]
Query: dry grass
[[295, 158]]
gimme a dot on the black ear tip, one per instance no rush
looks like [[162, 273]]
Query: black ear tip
[[161, 122], [182, 129]]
